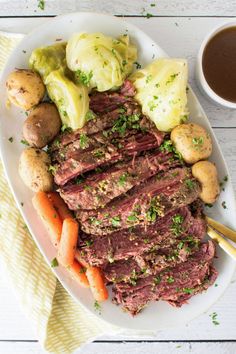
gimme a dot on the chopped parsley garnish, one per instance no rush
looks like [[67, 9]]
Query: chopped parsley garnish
[[11, 139], [167, 146], [215, 285], [52, 169], [24, 142], [148, 78], [115, 221], [122, 179], [82, 270], [224, 205], [198, 142], [157, 280], [126, 122], [98, 153], [88, 243], [152, 5], [90, 116], [176, 227], [87, 187], [41, 4], [171, 79], [208, 205], [83, 141], [190, 183], [54, 263], [170, 280], [145, 240], [133, 277], [180, 245], [138, 66], [132, 218], [97, 306], [214, 318], [154, 210], [187, 290], [222, 183], [94, 221], [79, 180], [148, 15], [65, 128], [83, 77]]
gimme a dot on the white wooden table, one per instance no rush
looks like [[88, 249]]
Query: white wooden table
[[179, 27]]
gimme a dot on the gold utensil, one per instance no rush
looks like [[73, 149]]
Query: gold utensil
[[216, 231]]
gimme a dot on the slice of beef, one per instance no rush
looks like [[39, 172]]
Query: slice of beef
[[101, 122], [175, 285], [141, 239], [98, 190], [81, 162], [107, 101], [152, 262], [143, 204], [98, 124], [120, 131]]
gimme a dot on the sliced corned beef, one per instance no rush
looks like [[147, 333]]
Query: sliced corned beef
[[81, 162], [143, 204], [99, 189], [107, 101], [141, 239], [175, 285]]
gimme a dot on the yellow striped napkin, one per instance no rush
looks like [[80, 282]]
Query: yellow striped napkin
[[61, 324]]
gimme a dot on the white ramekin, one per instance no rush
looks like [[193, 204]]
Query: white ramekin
[[202, 83]]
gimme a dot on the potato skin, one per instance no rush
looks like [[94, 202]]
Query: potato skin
[[192, 141], [42, 125], [25, 88], [206, 173], [33, 169]]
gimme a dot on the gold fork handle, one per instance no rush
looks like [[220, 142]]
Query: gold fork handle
[[224, 230], [225, 245]]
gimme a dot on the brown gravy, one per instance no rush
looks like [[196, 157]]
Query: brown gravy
[[219, 63]]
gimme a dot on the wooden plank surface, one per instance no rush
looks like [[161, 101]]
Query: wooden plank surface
[[179, 37], [127, 348], [121, 7]]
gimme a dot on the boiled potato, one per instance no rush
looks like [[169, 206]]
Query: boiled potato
[[206, 173], [33, 169], [25, 88], [192, 142], [42, 125]]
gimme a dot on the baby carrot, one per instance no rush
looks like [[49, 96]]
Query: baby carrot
[[48, 215], [80, 259], [78, 273], [97, 285], [60, 205], [67, 245]]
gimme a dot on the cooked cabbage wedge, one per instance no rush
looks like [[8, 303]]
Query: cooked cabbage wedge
[[161, 91], [44, 60], [71, 100], [100, 61]]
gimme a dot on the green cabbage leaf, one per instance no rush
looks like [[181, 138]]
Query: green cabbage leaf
[[161, 91], [100, 61]]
